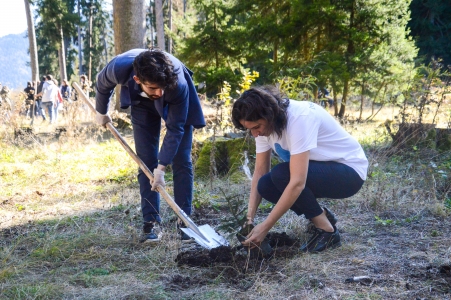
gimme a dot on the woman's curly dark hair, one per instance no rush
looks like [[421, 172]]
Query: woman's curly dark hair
[[153, 66], [264, 102]]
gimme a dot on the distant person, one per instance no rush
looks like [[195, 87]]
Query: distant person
[[5, 100], [85, 84], [50, 97], [38, 99], [321, 160], [66, 91], [325, 97], [59, 101], [157, 86], [30, 93]]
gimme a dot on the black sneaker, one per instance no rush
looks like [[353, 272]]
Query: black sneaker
[[330, 216], [183, 236], [322, 240], [152, 233]]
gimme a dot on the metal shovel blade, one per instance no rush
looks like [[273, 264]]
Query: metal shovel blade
[[213, 239]]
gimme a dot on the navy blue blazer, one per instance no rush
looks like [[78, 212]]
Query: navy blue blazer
[[178, 107]]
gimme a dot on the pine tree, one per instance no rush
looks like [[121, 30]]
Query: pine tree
[[210, 51], [57, 21], [430, 25]]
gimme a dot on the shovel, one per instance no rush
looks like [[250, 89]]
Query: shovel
[[204, 235]]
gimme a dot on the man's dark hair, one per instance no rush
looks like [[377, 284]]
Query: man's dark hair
[[49, 77], [153, 66], [264, 102]]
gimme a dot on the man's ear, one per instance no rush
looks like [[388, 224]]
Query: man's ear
[[136, 79]]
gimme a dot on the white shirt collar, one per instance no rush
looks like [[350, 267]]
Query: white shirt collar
[[142, 94]]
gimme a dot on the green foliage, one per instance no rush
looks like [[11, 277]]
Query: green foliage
[[430, 139], [20, 207], [6, 274], [237, 209], [102, 49], [300, 88], [211, 50], [201, 196], [425, 90], [265, 206], [448, 203], [248, 79], [430, 26], [56, 17], [223, 103], [383, 222], [344, 45], [32, 291], [97, 272], [123, 176]]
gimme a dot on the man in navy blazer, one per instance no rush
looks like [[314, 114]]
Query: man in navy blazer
[[157, 86]]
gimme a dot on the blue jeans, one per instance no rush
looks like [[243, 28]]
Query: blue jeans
[[39, 111], [146, 130], [50, 109], [325, 179]]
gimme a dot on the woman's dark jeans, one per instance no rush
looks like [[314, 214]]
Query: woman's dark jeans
[[325, 179], [146, 130]]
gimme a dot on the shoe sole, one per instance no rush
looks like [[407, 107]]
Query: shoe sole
[[190, 241], [153, 241]]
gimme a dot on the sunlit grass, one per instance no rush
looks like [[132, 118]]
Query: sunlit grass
[[43, 167]]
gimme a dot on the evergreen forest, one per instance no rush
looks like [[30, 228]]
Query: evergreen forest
[[369, 48]]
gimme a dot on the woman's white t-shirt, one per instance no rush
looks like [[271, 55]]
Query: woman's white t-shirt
[[311, 128]]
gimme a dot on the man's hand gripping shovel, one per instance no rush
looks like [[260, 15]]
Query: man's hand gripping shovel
[[204, 235]]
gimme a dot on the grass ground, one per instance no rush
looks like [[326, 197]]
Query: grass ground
[[70, 224]]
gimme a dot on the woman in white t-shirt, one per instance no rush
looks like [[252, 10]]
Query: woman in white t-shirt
[[321, 160]]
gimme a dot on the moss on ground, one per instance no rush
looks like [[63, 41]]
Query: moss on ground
[[229, 156]]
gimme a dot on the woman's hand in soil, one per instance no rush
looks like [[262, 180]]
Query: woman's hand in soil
[[256, 236]]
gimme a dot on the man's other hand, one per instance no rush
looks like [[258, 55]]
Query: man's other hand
[[102, 119], [158, 179]]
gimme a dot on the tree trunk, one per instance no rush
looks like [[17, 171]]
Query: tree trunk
[[362, 99], [160, 24], [335, 102], [129, 24], [105, 47], [62, 56], [350, 51], [341, 113], [32, 42], [80, 50], [90, 45], [152, 16], [170, 27]]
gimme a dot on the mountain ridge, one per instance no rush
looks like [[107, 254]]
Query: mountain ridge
[[14, 61]]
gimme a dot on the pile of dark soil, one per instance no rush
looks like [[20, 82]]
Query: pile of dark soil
[[281, 243]]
